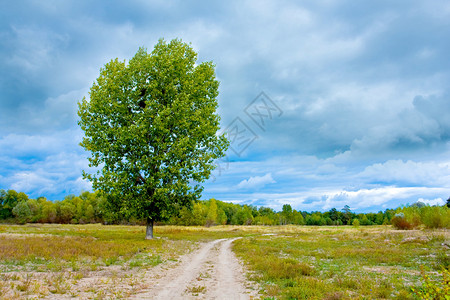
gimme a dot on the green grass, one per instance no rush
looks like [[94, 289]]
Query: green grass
[[29, 249], [341, 262], [289, 262]]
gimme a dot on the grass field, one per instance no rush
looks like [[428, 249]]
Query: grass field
[[289, 262], [343, 262], [89, 261]]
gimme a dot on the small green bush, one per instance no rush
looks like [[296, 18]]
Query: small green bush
[[288, 268], [432, 289], [443, 260]]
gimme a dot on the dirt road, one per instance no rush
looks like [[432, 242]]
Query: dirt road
[[211, 272]]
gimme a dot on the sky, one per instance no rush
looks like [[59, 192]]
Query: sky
[[326, 103]]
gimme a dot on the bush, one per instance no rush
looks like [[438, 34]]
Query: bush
[[442, 260], [287, 269], [399, 221], [435, 216], [434, 289], [428, 216]]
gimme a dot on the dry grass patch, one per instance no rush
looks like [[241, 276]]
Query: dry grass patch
[[87, 261]]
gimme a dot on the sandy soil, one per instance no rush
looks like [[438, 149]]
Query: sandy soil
[[211, 272]]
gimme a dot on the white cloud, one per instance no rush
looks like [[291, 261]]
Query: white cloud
[[324, 199], [308, 183], [43, 165], [81, 184], [256, 182], [432, 202], [378, 196], [50, 177], [40, 144], [409, 172], [31, 182]]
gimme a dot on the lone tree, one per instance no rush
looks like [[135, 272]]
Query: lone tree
[[151, 127]]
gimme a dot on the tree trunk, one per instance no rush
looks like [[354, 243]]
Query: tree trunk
[[149, 231]]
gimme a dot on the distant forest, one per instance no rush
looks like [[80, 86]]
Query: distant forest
[[17, 207]]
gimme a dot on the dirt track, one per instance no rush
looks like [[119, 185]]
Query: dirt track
[[211, 272]]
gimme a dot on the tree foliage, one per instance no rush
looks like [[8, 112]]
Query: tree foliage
[[92, 208], [8, 200], [151, 127], [409, 217]]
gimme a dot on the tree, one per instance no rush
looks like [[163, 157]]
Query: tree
[[211, 217], [379, 218], [5, 210], [199, 213], [221, 217], [364, 220], [448, 202], [297, 218], [66, 211], [243, 216], [49, 212], [90, 214], [22, 212], [151, 127], [35, 209], [333, 214], [8, 200], [347, 216], [286, 214], [186, 217]]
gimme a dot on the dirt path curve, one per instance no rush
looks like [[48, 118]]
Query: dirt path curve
[[211, 272]]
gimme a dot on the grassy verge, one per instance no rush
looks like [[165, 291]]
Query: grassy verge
[[341, 262]]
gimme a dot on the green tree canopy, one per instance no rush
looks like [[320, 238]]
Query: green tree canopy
[[151, 127]]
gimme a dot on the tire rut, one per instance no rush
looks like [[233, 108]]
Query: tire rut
[[211, 272]]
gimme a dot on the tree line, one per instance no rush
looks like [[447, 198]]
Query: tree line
[[88, 207]]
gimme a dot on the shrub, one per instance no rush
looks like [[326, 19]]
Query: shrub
[[287, 268], [442, 260], [434, 289], [399, 221], [435, 216], [429, 216]]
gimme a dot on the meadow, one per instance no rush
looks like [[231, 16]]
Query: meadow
[[374, 262], [287, 262]]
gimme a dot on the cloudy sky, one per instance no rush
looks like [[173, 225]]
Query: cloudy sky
[[327, 103]]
